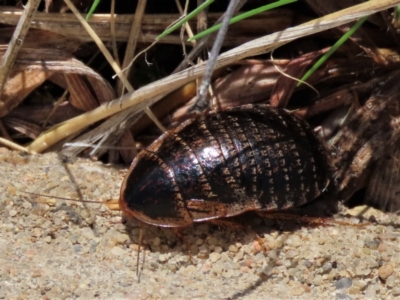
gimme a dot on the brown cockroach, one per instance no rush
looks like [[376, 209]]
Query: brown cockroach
[[249, 158]]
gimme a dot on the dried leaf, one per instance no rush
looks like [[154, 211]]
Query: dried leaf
[[365, 136], [34, 66], [128, 149], [286, 84], [247, 84], [27, 128], [38, 113], [383, 190], [81, 96], [18, 86]]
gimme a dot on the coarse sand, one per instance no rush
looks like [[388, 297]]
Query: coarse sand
[[57, 249]]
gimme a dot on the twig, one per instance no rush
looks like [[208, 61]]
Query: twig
[[202, 43], [201, 103], [16, 42], [56, 105]]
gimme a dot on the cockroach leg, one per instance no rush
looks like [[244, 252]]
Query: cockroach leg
[[112, 204], [228, 224], [307, 219], [178, 232], [203, 209]]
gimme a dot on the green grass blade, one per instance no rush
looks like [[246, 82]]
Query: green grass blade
[[333, 49], [397, 13], [242, 16], [92, 9], [185, 19]]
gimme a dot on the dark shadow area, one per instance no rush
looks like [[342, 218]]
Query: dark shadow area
[[245, 229]]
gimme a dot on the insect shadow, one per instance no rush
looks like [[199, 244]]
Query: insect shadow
[[201, 239]]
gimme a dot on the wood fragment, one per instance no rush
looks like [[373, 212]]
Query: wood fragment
[[383, 190], [16, 42], [151, 27], [34, 66], [366, 135]]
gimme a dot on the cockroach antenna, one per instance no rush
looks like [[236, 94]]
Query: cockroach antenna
[[112, 205], [138, 255]]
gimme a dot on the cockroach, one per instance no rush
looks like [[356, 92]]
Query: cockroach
[[248, 158]]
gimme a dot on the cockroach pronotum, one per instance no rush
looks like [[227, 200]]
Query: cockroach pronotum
[[249, 158]]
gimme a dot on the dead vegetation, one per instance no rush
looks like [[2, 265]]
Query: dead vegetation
[[57, 83]]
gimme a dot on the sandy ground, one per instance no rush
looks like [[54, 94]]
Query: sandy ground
[[64, 250]]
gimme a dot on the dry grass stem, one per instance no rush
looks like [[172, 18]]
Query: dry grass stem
[[113, 32], [188, 29], [14, 146], [110, 59], [98, 42], [132, 42]]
